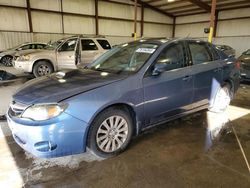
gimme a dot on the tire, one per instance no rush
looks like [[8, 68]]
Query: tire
[[42, 68], [222, 99], [7, 61], [105, 141]]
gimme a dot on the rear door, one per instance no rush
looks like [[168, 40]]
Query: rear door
[[207, 72], [89, 51], [171, 92], [66, 54]]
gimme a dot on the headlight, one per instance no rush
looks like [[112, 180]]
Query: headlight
[[43, 111], [24, 58]]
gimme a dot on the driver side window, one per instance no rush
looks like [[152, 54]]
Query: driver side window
[[173, 57], [68, 45]]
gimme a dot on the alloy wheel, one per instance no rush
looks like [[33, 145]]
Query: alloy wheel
[[43, 70], [112, 134], [7, 61]]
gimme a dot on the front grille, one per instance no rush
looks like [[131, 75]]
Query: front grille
[[16, 109]]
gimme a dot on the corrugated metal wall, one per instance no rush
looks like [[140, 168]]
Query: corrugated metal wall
[[234, 32], [14, 23]]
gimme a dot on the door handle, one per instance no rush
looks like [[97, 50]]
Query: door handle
[[218, 70], [186, 78]]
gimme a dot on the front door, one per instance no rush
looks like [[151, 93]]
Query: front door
[[207, 72], [66, 55], [171, 92]]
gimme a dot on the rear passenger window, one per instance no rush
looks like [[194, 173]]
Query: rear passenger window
[[173, 56], [104, 44], [88, 44], [199, 52]]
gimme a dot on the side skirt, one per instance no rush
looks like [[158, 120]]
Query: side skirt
[[177, 116]]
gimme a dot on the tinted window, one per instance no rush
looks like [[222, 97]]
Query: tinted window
[[173, 57], [40, 46], [69, 45], [199, 52], [88, 44], [26, 47], [104, 44]]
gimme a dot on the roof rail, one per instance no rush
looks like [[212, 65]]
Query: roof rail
[[92, 36]]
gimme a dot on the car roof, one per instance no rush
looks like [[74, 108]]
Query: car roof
[[163, 40], [32, 43], [84, 36]]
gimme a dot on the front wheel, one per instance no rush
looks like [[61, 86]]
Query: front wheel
[[42, 68], [110, 133], [222, 99], [7, 61]]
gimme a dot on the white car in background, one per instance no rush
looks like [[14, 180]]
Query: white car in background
[[7, 55], [68, 54]]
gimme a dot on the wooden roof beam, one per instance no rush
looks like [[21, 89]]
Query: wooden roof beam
[[201, 4], [146, 5]]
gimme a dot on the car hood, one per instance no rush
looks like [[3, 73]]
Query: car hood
[[7, 52], [62, 85], [34, 52]]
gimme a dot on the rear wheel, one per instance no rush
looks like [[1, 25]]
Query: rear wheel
[[110, 133], [42, 68], [222, 99], [7, 61]]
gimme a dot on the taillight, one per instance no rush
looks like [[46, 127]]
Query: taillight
[[237, 64]]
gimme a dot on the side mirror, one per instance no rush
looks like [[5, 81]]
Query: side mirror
[[159, 68]]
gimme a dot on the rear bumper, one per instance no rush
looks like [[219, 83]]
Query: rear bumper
[[65, 136]]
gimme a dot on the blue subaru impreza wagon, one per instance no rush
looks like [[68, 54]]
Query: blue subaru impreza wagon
[[129, 89]]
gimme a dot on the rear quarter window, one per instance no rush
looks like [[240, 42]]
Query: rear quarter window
[[104, 44], [214, 52]]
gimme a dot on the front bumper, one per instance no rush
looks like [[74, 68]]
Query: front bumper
[[25, 66], [65, 135]]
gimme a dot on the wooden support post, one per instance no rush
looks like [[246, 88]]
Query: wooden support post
[[212, 21], [96, 18], [142, 20], [135, 21], [62, 16], [29, 15], [174, 25], [216, 23]]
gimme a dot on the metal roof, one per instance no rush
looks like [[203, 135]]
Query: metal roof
[[191, 7]]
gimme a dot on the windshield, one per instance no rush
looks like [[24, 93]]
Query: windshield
[[247, 52], [52, 46], [124, 58]]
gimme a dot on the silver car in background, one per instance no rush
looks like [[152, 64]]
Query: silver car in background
[[68, 54], [7, 55]]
